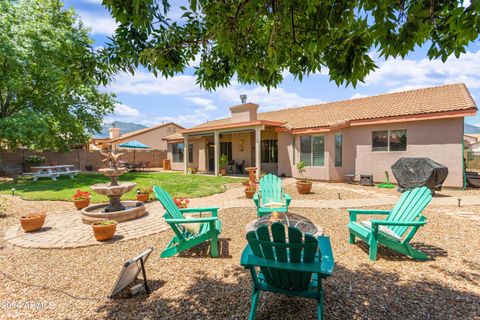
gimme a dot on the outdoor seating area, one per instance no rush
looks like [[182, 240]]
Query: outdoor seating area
[[233, 254]]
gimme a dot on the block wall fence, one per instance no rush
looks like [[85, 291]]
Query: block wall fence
[[12, 162]]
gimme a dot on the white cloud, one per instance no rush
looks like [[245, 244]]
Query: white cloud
[[276, 99], [359, 95], [205, 104], [122, 110], [145, 83], [405, 74], [100, 23]]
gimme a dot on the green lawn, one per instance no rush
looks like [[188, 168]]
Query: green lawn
[[177, 184]]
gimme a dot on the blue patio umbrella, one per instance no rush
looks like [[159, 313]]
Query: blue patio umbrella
[[134, 144]]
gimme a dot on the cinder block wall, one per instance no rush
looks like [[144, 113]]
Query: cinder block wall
[[12, 162]]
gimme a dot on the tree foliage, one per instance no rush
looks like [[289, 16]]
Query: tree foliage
[[49, 74], [257, 40]]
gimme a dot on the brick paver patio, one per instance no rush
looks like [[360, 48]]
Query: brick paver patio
[[66, 230]]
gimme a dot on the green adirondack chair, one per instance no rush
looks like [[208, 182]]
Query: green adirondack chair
[[209, 229], [293, 266], [271, 192], [392, 232]]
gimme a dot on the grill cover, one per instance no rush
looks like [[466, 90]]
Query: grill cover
[[417, 172]]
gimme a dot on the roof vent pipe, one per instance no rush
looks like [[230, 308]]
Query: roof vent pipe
[[243, 97]]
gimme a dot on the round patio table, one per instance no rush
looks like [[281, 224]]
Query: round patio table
[[289, 219]]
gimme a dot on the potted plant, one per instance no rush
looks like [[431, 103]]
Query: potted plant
[[250, 190], [143, 194], [81, 199], [181, 202], [245, 182], [192, 170], [304, 185], [104, 230], [32, 221], [223, 164]]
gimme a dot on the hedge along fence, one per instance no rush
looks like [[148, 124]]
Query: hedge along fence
[[13, 161]]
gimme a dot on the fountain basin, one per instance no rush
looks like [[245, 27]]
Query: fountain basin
[[105, 189], [113, 172], [95, 213]]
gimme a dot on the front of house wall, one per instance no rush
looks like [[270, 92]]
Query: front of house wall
[[440, 140]]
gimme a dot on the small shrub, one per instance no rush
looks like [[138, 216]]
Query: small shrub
[[181, 202], [35, 159], [81, 195], [105, 223], [145, 190], [301, 168], [223, 161]]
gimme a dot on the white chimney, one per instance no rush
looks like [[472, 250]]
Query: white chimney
[[244, 112], [114, 133]]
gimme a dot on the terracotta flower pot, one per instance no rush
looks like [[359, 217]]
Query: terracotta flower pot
[[249, 194], [143, 197], [81, 203], [304, 187], [222, 171], [104, 232], [245, 183], [32, 222]]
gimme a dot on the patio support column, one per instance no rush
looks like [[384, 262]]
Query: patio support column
[[185, 154], [216, 147], [258, 160]]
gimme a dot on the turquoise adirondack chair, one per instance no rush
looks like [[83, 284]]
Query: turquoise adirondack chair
[[293, 266], [209, 227], [271, 192], [392, 232]]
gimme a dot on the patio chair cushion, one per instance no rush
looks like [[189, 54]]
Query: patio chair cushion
[[192, 228], [382, 229]]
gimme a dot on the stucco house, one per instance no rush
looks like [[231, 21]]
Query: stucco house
[[357, 136], [151, 136]]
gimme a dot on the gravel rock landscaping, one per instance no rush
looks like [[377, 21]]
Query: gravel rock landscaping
[[324, 191], [74, 283]]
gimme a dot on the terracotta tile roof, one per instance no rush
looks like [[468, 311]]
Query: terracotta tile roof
[[137, 132], [447, 98], [175, 136]]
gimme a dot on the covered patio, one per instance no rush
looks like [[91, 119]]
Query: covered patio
[[246, 142]]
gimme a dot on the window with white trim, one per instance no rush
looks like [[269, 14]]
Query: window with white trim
[[389, 140], [312, 150]]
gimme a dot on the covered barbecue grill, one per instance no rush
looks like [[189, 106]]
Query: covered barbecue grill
[[417, 172]]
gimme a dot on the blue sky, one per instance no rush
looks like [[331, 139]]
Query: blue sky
[[148, 100]]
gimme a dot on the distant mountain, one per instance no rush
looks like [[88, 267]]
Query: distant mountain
[[125, 127], [471, 129]]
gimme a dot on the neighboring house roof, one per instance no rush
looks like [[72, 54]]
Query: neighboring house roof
[[442, 99], [176, 136], [135, 133], [473, 135]]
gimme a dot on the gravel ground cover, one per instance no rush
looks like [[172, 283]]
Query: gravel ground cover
[[324, 191], [73, 284]]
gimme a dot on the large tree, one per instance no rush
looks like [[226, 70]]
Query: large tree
[[257, 40], [49, 77]]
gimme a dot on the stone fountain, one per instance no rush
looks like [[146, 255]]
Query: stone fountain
[[115, 209]]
